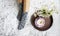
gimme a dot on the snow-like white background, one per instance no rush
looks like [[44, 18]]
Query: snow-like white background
[[8, 17]]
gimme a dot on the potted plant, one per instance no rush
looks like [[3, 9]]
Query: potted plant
[[42, 19]]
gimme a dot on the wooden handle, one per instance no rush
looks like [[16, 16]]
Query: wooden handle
[[26, 4], [19, 1]]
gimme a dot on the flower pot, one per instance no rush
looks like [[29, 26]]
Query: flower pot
[[41, 23]]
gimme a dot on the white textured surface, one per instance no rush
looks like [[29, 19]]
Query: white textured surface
[[9, 22]]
